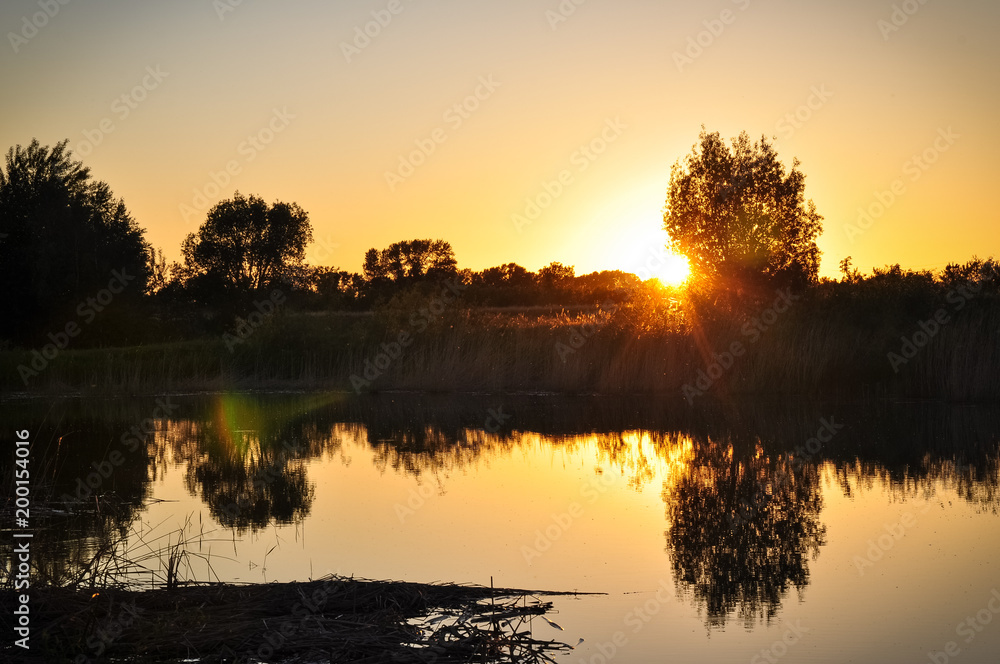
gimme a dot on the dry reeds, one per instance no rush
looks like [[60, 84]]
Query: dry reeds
[[822, 346], [334, 619]]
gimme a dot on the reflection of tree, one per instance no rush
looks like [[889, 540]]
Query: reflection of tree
[[247, 456], [249, 465], [742, 529], [418, 450], [977, 483], [247, 492]]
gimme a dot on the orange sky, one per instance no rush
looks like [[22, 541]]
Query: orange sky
[[164, 97]]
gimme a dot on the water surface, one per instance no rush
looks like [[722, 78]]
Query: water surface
[[743, 531]]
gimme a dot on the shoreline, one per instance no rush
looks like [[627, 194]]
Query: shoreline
[[670, 398], [348, 618]]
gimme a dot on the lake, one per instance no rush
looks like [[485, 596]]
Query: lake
[[739, 531]]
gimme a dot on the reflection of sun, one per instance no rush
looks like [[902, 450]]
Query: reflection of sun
[[675, 270]]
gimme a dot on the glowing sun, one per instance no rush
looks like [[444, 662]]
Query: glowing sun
[[674, 271]]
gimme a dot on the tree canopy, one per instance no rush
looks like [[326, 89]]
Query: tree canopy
[[62, 236], [739, 218], [410, 260], [246, 245], [509, 275]]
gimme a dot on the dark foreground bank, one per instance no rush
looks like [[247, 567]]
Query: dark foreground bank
[[334, 619]]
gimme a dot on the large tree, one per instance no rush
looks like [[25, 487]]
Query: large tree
[[409, 261], [739, 217], [508, 275], [62, 237], [246, 245]]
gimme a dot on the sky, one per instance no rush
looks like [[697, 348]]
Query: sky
[[519, 131]]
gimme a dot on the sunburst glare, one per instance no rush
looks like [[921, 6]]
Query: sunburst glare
[[675, 271]]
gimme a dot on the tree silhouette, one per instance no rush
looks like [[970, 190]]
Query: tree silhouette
[[508, 274], [403, 264], [246, 246], [64, 234], [335, 288], [504, 285], [411, 260], [554, 275], [740, 219]]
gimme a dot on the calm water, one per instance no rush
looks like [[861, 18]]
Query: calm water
[[744, 532]]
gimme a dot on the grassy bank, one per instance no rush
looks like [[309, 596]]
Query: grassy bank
[[809, 345]]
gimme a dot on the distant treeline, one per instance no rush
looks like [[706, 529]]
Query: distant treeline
[[414, 265], [90, 304], [78, 270], [894, 332]]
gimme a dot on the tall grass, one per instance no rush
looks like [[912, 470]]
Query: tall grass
[[820, 346]]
